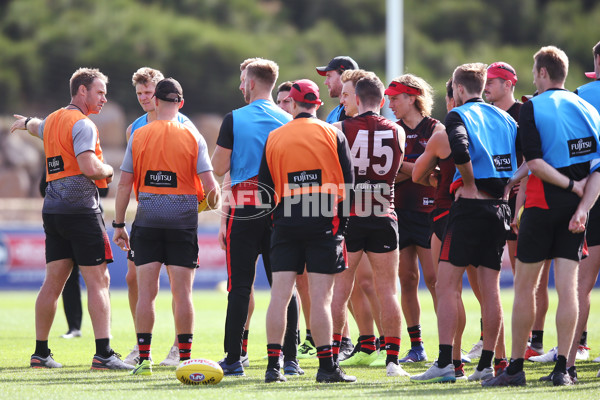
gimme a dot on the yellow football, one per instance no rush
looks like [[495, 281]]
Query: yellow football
[[199, 371]]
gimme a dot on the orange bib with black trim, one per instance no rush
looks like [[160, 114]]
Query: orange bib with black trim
[[61, 160], [165, 154], [302, 157]]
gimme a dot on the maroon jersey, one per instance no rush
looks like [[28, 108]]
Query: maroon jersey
[[376, 156], [443, 198], [409, 195]]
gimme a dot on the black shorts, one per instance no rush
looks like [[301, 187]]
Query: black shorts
[[592, 234], [439, 221], [476, 233], [544, 235], [512, 203], [131, 252], [81, 237], [414, 229], [321, 252], [168, 246], [373, 234]]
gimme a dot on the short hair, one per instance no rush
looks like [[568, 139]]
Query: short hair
[[369, 90], [472, 76], [306, 106], [596, 49], [265, 71], [285, 87], [554, 60], [85, 77], [354, 75], [146, 75], [424, 100], [247, 61], [449, 90]]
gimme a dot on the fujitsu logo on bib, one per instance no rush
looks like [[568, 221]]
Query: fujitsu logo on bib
[[160, 179], [583, 146]]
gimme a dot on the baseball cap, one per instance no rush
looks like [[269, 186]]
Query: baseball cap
[[169, 90], [305, 91], [338, 63], [591, 75], [502, 70], [397, 88]]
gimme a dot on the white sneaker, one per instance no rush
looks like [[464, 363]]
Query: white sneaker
[[476, 350], [172, 359], [597, 359], [245, 361], [583, 353], [435, 374], [487, 373], [394, 369], [134, 357], [548, 357]]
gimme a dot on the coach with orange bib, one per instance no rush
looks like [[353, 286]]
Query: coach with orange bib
[[73, 224]]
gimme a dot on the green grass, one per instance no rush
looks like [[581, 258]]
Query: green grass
[[75, 380]]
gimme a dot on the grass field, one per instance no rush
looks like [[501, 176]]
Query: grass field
[[75, 380]]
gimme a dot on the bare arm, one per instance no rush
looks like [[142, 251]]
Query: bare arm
[[33, 125], [92, 167], [120, 236], [519, 174], [225, 208], [221, 160], [548, 173], [211, 189], [437, 148]]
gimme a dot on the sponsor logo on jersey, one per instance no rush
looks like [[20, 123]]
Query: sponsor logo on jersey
[[503, 162], [160, 179], [368, 186], [304, 178], [428, 201], [581, 147], [55, 164]]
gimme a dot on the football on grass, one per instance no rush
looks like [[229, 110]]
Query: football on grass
[[199, 371]]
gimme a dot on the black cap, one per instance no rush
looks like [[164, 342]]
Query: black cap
[[169, 90], [340, 63]]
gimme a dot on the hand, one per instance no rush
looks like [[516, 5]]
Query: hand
[[578, 221], [434, 178], [468, 192], [19, 123], [121, 238], [222, 237]]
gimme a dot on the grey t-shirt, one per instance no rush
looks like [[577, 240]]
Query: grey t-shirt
[[75, 194], [170, 211]]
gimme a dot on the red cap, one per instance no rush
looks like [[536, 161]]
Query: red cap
[[502, 70], [305, 91], [591, 75], [397, 88]]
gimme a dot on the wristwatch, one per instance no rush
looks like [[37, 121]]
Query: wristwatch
[[115, 225]]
